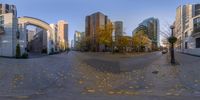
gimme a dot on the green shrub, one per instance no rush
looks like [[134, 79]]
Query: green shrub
[[44, 50], [172, 39], [18, 51], [24, 55], [52, 50]]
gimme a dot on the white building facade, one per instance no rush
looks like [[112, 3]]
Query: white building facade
[[54, 37], [187, 29], [9, 30]]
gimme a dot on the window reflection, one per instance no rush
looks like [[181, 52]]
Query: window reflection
[[197, 25]]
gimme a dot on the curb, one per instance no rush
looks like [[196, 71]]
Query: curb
[[189, 54]]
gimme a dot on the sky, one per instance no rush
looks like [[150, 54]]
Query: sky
[[131, 12]]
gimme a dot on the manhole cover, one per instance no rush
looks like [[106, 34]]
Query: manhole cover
[[155, 72]]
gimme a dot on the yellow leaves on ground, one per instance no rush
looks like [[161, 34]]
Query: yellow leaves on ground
[[131, 87], [172, 94], [197, 81], [89, 90], [22, 97], [80, 82], [122, 92], [92, 81], [17, 78]]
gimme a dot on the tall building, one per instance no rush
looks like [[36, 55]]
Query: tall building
[[9, 30], [72, 44], [54, 39], [6, 8], [187, 28], [30, 34], [152, 30], [39, 41], [42, 34], [62, 35], [92, 23], [118, 27], [78, 37]]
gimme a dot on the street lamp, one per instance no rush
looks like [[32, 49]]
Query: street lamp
[[172, 28], [172, 40]]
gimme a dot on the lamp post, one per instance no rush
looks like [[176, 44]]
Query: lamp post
[[172, 40]]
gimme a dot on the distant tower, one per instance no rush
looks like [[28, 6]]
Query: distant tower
[[118, 26], [63, 34]]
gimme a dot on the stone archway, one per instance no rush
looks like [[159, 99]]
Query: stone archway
[[24, 22]]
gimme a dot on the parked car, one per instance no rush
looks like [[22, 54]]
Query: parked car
[[164, 51]]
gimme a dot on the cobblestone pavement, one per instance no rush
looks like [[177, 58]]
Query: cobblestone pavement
[[90, 76], [189, 69]]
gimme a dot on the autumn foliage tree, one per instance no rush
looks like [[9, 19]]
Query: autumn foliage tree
[[84, 43], [141, 40], [105, 35], [122, 42]]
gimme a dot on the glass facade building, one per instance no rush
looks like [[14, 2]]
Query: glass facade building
[[152, 27]]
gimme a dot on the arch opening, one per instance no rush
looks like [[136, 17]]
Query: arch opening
[[24, 22]]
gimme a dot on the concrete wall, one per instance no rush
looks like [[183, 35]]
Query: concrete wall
[[8, 39], [195, 51], [22, 37], [191, 46]]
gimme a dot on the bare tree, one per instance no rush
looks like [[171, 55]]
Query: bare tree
[[168, 34]]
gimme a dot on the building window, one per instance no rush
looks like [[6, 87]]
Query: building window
[[18, 34], [7, 8], [197, 9], [186, 45], [186, 34], [1, 22], [197, 42], [1, 12], [1, 17], [197, 25]]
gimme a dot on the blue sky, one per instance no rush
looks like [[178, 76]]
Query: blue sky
[[131, 12]]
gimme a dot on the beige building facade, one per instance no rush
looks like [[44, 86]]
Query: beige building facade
[[62, 35], [187, 28]]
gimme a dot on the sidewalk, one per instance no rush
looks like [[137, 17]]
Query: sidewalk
[[24, 78], [189, 70], [162, 79]]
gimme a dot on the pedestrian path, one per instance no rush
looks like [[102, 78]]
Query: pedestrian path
[[163, 79], [189, 70]]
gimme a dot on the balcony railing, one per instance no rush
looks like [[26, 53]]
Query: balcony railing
[[196, 32]]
